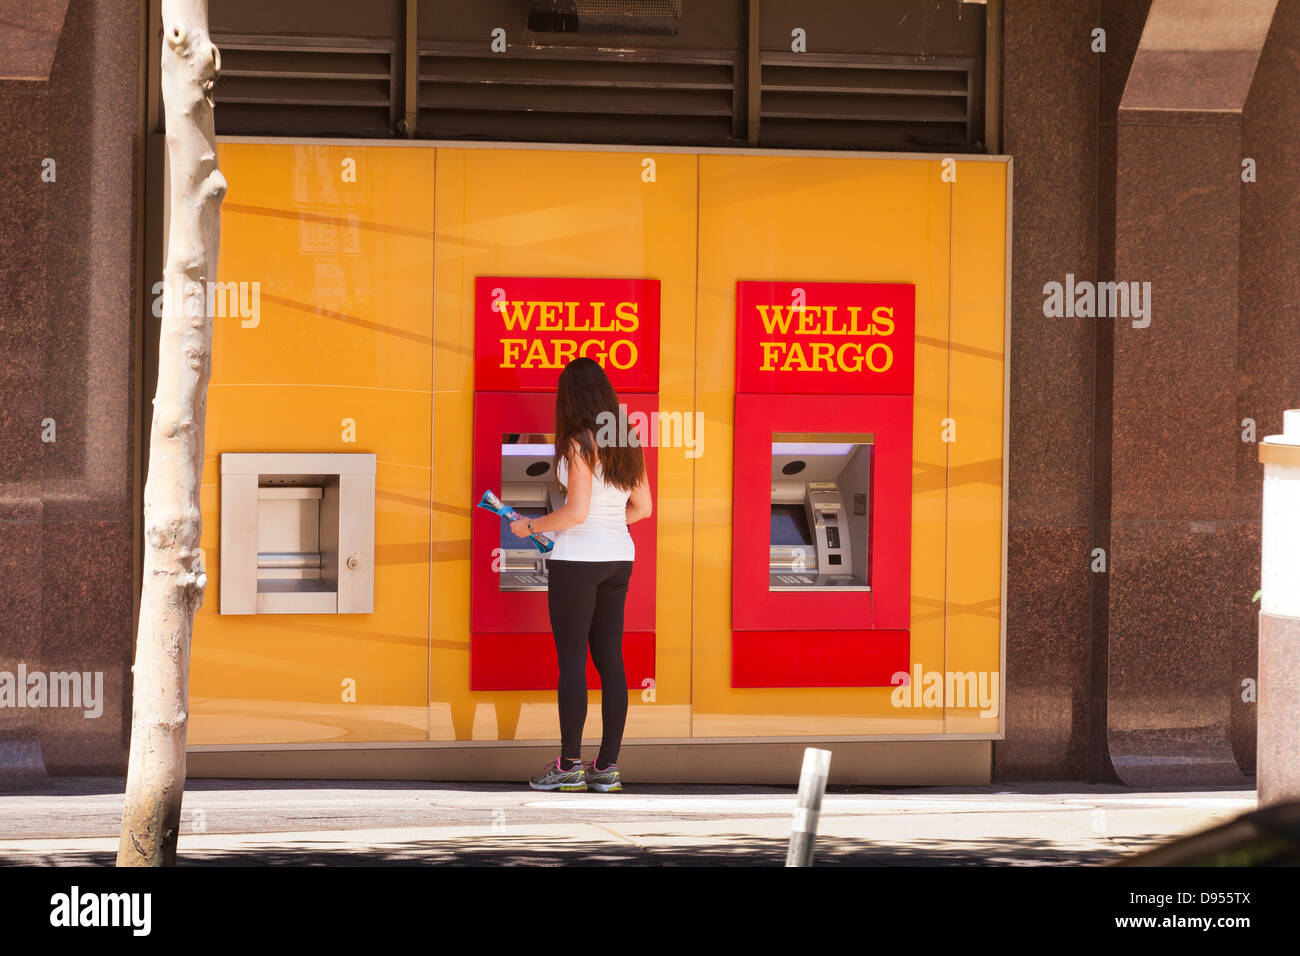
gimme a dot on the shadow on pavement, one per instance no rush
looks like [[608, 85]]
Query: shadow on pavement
[[734, 849]]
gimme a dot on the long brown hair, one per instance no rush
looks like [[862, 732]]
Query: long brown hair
[[584, 393]]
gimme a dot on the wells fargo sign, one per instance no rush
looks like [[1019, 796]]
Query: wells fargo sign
[[825, 337], [527, 329]]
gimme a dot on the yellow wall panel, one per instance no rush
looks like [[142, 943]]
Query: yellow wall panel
[[323, 363], [975, 544]]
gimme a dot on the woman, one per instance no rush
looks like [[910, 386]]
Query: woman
[[606, 490]]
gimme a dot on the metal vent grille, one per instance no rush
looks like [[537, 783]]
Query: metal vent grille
[[630, 8], [604, 16], [308, 85], [872, 83], [576, 94], [842, 101]]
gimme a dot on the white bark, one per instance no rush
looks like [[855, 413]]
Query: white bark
[[173, 577]]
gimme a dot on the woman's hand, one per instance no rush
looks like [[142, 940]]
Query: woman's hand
[[520, 528]]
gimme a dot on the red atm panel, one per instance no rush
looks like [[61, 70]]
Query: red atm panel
[[821, 531], [526, 329], [888, 604], [513, 612]]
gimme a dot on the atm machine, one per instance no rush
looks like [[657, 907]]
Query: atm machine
[[825, 600], [820, 529], [527, 485], [524, 326], [823, 457]]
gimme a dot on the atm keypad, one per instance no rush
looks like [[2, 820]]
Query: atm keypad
[[522, 581], [794, 578]]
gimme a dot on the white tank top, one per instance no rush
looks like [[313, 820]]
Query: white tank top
[[604, 535]]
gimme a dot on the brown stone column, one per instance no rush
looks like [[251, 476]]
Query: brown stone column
[[1060, 100], [1177, 538], [70, 91], [26, 59]]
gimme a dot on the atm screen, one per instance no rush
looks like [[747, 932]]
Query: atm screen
[[508, 541], [790, 525]]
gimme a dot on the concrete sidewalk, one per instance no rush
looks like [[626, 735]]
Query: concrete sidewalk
[[316, 823]]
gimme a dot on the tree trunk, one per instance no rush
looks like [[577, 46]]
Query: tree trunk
[[174, 579]]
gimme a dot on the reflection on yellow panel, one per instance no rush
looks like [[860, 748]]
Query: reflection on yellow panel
[[336, 357], [344, 269]]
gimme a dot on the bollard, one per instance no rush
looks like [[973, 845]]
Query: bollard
[[808, 806], [1278, 755]]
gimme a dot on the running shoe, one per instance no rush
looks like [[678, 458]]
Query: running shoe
[[606, 781], [553, 778]]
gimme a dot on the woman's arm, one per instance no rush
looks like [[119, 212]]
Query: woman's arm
[[638, 503], [576, 504]]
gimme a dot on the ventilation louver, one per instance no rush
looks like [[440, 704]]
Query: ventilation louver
[[868, 102], [577, 94], [305, 85]]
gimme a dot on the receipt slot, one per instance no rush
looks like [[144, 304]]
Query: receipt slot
[[297, 533], [822, 500]]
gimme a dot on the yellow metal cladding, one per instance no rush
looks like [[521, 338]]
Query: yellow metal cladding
[[342, 348], [975, 459], [349, 246]]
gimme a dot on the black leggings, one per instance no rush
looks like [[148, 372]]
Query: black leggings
[[585, 599]]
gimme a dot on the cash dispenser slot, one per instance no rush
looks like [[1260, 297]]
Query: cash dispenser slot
[[819, 531], [288, 535], [528, 486], [297, 533], [292, 560]]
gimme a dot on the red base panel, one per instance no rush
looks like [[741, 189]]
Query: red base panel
[[818, 658], [527, 661]]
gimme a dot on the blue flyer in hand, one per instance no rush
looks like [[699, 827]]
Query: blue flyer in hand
[[490, 502]]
